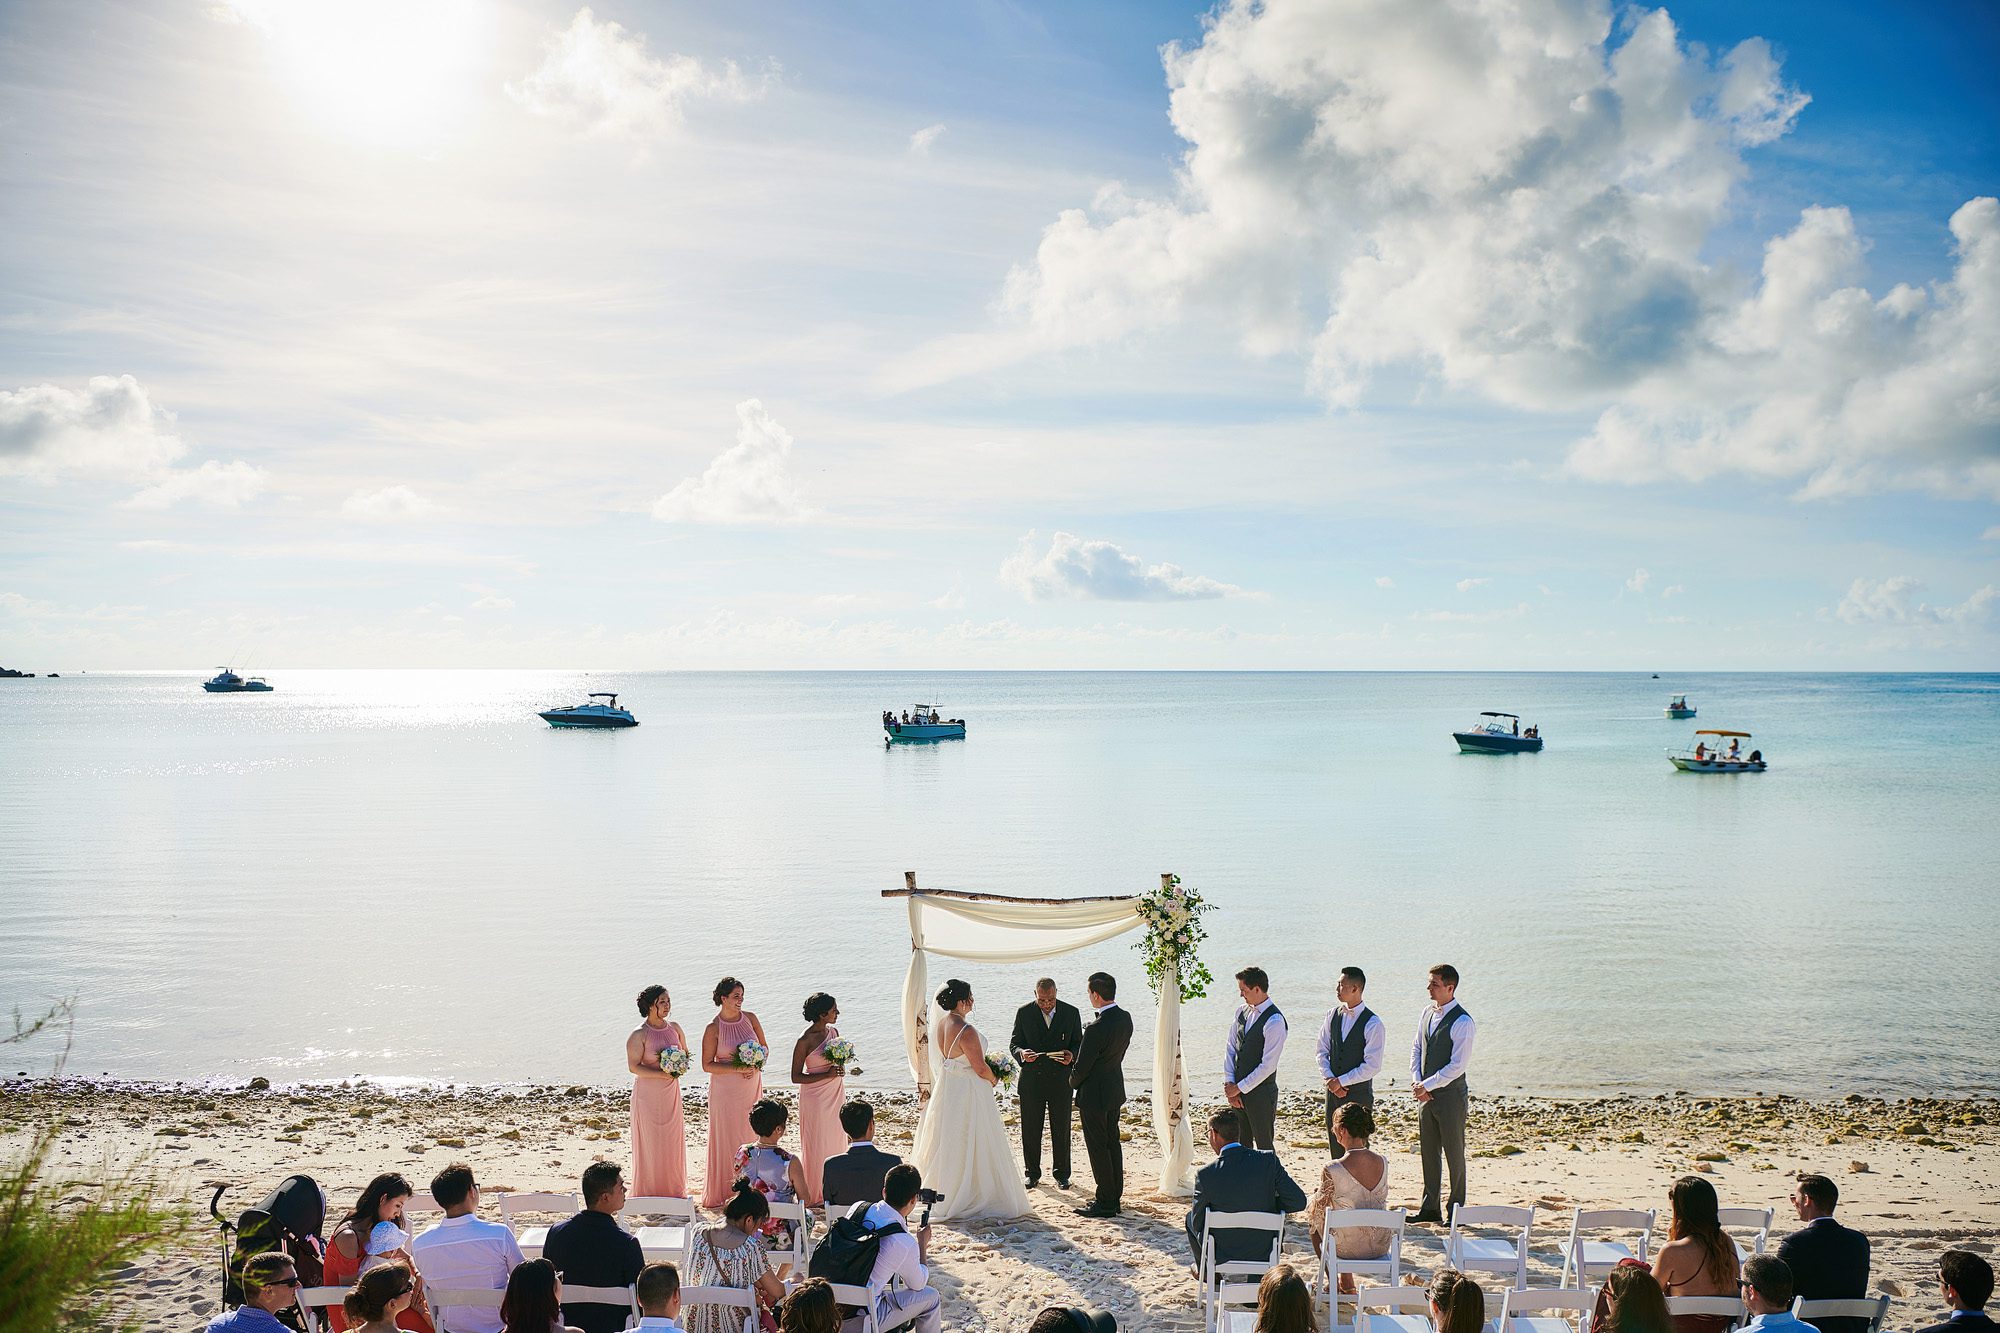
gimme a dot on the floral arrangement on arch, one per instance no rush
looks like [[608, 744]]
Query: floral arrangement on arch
[[1173, 935]]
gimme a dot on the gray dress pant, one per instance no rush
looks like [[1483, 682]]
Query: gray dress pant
[[1441, 1136], [1260, 1115]]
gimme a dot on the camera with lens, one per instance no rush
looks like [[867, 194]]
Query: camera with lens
[[929, 1198]]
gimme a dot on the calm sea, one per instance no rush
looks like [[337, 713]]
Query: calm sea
[[406, 875]]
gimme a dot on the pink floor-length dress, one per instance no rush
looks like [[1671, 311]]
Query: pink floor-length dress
[[730, 1097], [820, 1134], [659, 1130]]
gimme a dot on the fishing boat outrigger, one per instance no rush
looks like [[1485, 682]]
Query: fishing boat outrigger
[[606, 714], [1499, 733], [1679, 707], [923, 723], [1705, 757]]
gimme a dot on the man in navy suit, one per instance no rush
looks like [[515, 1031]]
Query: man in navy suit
[[1966, 1282], [856, 1175], [1829, 1262], [1239, 1180], [1099, 1079]]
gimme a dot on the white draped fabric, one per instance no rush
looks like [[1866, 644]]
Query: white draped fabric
[[990, 929]]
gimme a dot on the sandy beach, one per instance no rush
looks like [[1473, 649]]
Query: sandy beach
[[1918, 1176]]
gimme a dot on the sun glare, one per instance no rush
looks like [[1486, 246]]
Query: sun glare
[[387, 72]]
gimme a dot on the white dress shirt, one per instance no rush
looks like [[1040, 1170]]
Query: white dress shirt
[[1371, 1054], [899, 1258], [1274, 1046], [661, 1323], [467, 1253], [1462, 1031]]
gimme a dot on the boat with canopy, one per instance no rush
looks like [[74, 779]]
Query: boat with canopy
[[1706, 756], [1498, 733]]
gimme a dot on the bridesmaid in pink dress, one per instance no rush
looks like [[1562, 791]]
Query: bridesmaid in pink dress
[[821, 1091], [732, 1089], [659, 1133]]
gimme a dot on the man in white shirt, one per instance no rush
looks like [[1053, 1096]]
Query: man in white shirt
[[1350, 1051], [1437, 1078], [901, 1259], [464, 1253], [659, 1294], [1250, 1058]]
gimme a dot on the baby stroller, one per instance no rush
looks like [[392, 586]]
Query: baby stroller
[[289, 1218]]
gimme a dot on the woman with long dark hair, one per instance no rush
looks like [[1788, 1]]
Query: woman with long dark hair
[[370, 1235], [810, 1308], [1457, 1303], [378, 1297], [533, 1300], [1285, 1303], [733, 1255], [1632, 1301], [1698, 1259]]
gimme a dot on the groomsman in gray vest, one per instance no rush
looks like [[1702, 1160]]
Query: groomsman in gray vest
[[1250, 1058], [1350, 1051], [1437, 1077]]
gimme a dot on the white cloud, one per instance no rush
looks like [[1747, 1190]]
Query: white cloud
[[1102, 571], [1514, 612], [1673, 590], [1898, 601], [493, 602], [1637, 583], [221, 485], [599, 79], [387, 505], [923, 139], [111, 429], [952, 598], [1385, 582], [1467, 585], [749, 482]]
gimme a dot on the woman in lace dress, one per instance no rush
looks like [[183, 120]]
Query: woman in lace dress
[[1360, 1179]]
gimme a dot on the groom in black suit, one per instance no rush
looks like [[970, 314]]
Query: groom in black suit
[[1046, 1035], [1099, 1079]]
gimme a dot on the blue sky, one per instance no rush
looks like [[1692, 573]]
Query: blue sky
[[1320, 334]]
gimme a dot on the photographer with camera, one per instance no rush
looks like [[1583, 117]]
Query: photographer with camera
[[902, 1255]]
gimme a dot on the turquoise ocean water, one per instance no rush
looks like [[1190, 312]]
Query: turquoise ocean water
[[406, 875]]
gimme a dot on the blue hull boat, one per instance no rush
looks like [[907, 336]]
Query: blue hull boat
[[923, 723], [1498, 733], [592, 715]]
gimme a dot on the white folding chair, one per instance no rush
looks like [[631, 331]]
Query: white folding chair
[[1488, 1254], [1756, 1220], [1722, 1307], [476, 1298], [314, 1300], [1235, 1306], [1872, 1308], [1332, 1264], [1392, 1310], [625, 1298], [1586, 1259], [740, 1298], [792, 1260], [670, 1240], [1212, 1222], [1527, 1310], [533, 1238], [858, 1299]]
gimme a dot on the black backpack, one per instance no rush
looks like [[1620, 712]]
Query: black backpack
[[289, 1218], [847, 1255]]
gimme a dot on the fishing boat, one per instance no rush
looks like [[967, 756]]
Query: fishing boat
[[1709, 757], [1498, 733], [606, 714], [923, 722], [1679, 707], [227, 681]]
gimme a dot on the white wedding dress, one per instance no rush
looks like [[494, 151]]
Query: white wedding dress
[[963, 1149]]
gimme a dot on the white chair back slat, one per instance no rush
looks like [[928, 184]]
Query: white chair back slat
[[667, 1241], [314, 1300], [858, 1299], [1393, 1309], [740, 1298], [1874, 1309], [1388, 1268], [1723, 1307], [510, 1204], [1482, 1254], [793, 1258], [626, 1298], [476, 1298], [1584, 1259], [1212, 1222], [1754, 1220]]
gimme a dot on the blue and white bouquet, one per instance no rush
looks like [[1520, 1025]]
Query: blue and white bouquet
[[1003, 1068], [840, 1052], [750, 1056], [674, 1061]]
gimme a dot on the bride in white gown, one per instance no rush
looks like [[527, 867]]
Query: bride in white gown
[[962, 1147]]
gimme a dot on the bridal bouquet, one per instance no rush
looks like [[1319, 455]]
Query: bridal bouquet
[[674, 1061], [1003, 1068], [840, 1051], [750, 1056]]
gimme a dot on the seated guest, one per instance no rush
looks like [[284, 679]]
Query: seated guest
[[774, 1173], [1829, 1262], [1359, 1178], [533, 1303], [810, 1308], [1239, 1180], [1767, 1294], [369, 1236], [1457, 1303], [855, 1176], [463, 1252], [733, 1255], [378, 1297], [1631, 1301], [1068, 1319], [659, 1296], [270, 1284], [592, 1250], [1966, 1282], [1285, 1303], [901, 1281], [1698, 1259]]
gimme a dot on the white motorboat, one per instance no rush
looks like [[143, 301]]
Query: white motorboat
[[1712, 757]]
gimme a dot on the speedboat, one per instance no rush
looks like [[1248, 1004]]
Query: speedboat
[[1679, 707], [226, 681], [606, 714], [923, 722], [1498, 733], [1706, 757]]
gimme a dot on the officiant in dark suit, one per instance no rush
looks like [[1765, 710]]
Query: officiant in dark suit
[[1047, 1033], [1099, 1079]]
